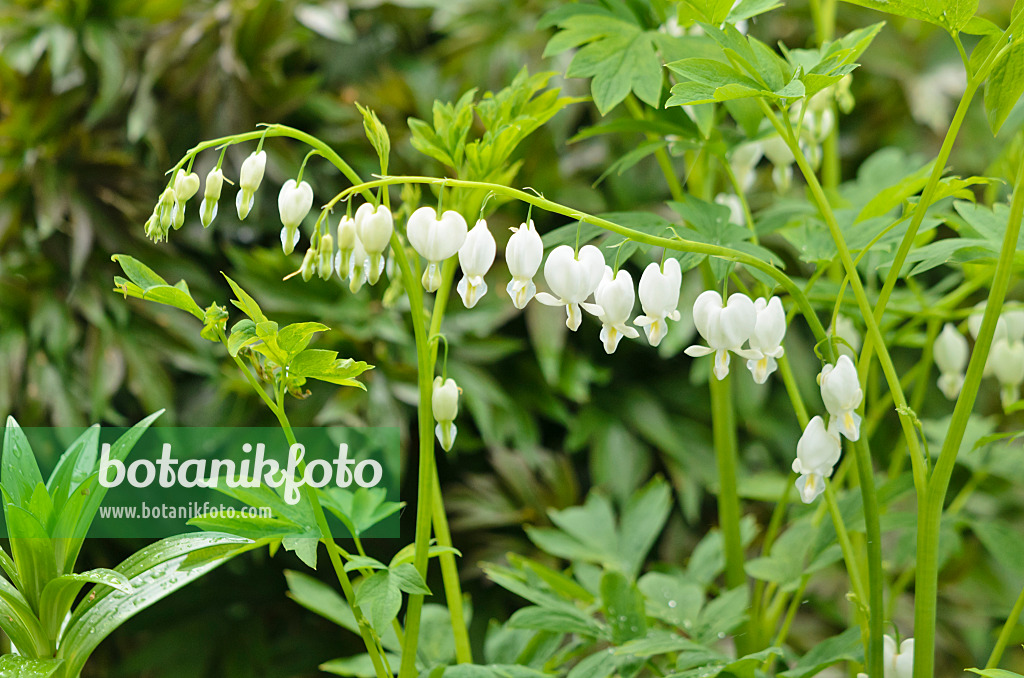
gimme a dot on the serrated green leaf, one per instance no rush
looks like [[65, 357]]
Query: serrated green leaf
[[952, 15]]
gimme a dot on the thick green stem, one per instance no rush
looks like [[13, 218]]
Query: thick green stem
[[930, 511], [724, 430]]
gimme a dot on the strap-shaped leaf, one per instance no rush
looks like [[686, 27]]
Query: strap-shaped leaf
[[74, 466], [59, 594], [13, 666], [20, 623]]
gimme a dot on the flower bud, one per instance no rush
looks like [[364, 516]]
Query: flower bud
[[185, 185], [308, 264], [250, 177], [444, 402], [951, 358], [346, 244], [165, 209], [523, 254], [1007, 360], [211, 194], [325, 257], [475, 257]]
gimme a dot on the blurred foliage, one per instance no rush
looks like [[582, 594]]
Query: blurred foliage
[[98, 98]]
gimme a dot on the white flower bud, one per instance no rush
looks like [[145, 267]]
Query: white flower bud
[[444, 402], [250, 177], [475, 257], [523, 254], [308, 264], [211, 194], [842, 395], [325, 257], [185, 185], [347, 239], [435, 239], [659, 298], [572, 278], [1007, 360], [951, 358]]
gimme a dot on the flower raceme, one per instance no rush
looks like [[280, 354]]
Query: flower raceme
[[435, 239], [523, 254], [293, 202], [572, 278], [817, 452], [614, 299], [725, 327], [659, 297], [444, 402], [250, 177], [842, 395], [475, 257]]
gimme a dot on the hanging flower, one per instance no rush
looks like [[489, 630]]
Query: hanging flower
[[1007, 360], [165, 209], [743, 161], [841, 392], [724, 327], [659, 298], [781, 157], [817, 452], [951, 358], [308, 267], [614, 299], [357, 267], [374, 228], [445, 403], [249, 180], [897, 662], [211, 194], [572, 278], [523, 254], [347, 239], [475, 257], [436, 239], [294, 202], [186, 185], [766, 339]]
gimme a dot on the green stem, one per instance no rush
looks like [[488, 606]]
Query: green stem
[[1004, 635], [870, 500], [930, 510], [724, 431]]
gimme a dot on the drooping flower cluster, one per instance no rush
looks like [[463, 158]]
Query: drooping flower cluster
[[726, 327], [1005, 358], [170, 206], [819, 447]]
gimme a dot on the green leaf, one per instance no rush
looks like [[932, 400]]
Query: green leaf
[[643, 518], [407, 579], [722, 614], [491, 671], [292, 339], [995, 673], [104, 46], [246, 303], [360, 509], [19, 475], [19, 622], [846, 646], [74, 467], [314, 363], [672, 598], [242, 334], [711, 11], [143, 283], [952, 15], [623, 607], [1003, 542], [13, 666], [557, 621], [1004, 86], [59, 594], [154, 572], [304, 546], [619, 55], [379, 599]]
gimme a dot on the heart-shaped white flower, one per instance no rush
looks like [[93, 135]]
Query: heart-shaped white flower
[[435, 239], [572, 278]]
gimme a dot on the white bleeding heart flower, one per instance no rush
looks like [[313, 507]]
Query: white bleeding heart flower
[[897, 662], [436, 239], [325, 257], [614, 299], [374, 228], [347, 238], [842, 395], [950, 353], [475, 257], [294, 202], [572, 278], [1007, 360], [817, 452], [659, 298], [523, 254], [778, 152], [724, 327], [766, 339], [250, 177], [357, 267], [211, 194], [444, 402]]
